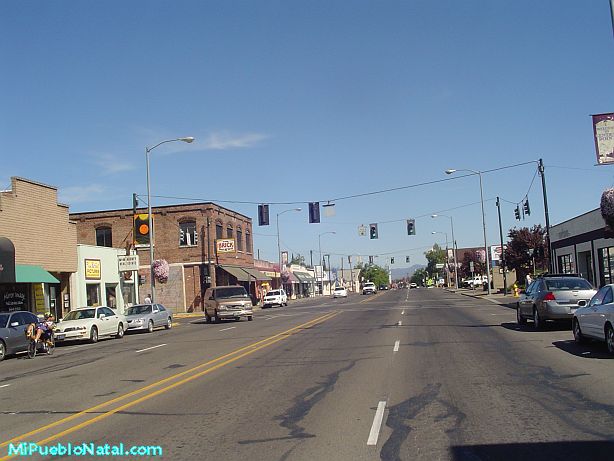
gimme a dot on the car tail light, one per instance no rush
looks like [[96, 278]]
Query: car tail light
[[549, 297]]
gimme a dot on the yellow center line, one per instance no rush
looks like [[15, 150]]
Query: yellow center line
[[224, 360]]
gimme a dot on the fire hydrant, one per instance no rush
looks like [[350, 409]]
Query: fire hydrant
[[515, 288]]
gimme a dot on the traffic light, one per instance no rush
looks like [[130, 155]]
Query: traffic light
[[263, 215], [370, 259], [517, 213], [391, 260], [141, 229], [372, 231], [181, 237], [406, 259], [411, 227], [527, 210], [314, 212]]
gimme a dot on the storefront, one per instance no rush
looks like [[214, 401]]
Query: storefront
[[306, 286], [32, 291], [252, 279]]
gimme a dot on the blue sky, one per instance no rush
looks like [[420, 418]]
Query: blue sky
[[298, 101]]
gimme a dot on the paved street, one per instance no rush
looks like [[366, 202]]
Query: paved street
[[448, 377]]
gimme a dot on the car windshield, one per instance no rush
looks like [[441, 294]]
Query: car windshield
[[230, 292], [339, 289], [4, 318], [567, 283], [138, 310], [80, 314], [273, 293]]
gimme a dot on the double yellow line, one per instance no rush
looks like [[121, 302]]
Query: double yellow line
[[178, 378]]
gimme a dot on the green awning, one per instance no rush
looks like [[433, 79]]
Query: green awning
[[236, 272], [256, 274], [303, 277], [33, 274]]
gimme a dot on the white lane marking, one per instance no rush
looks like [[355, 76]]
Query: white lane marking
[[403, 312], [377, 423], [396, 346], [4, 385], [229, 328], [150, 348], [400, 323]]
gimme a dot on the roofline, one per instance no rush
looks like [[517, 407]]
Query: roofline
[[575, 217], [19, 178]]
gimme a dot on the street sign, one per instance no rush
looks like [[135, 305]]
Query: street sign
[[439, 266], [128, 263], [470, 266]]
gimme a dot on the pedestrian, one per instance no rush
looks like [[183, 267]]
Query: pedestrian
[[528, 281], [148, 299]]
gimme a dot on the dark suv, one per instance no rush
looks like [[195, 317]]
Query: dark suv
[[553, 297]]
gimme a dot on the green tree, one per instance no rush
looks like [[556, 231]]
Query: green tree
[[419, 276], [373, 273], [434, 256]]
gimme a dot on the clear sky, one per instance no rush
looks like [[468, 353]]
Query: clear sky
[[299, 101]]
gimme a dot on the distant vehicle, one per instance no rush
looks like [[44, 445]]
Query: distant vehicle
[[227, 302], [340, 292], [369, 288], [13, 332], [90, 323], [383, 287], [553, 297], [148, 316], [413, 285], [596, 320], [275, 298]]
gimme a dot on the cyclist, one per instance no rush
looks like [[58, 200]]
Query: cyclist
[[42, 329]]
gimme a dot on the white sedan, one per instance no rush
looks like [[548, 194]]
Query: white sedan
[[596, 320], [90, 323], [340, 292]]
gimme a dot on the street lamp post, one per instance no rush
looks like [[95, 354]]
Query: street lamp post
[[187, 139], [486, 259], [278, 244], [447, 262], [320, 252], [453, 247]]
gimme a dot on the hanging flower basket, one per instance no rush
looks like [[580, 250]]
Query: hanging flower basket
[[161, 270]]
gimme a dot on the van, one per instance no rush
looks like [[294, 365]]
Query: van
[[227, 302]]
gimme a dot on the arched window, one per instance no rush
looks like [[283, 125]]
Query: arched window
[[219, 229], [229, 232], [248, 241], [104, 236], [239, 239]]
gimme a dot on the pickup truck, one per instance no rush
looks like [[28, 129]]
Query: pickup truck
[[369, 288]]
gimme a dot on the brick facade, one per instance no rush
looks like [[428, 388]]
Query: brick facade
[[189, 264]]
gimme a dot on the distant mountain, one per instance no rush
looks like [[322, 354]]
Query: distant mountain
[[402, 272]]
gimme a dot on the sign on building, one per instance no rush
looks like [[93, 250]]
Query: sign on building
[[225, 245], [92, 269], [128, 263]]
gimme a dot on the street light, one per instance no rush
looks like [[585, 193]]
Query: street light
[[447, 261], [278, 244], [453, 246], [320, 252], [479, 173], [187, 139]]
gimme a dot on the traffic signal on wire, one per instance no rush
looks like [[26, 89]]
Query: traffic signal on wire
[[314, 212], [263, 215], [142, 229], [517, 213], [411, 227], [373, 231], [527, 210]]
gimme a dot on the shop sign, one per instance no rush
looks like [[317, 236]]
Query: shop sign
[[92, 269], [39, 298], [225, 245], [128, 263], [14, 299]]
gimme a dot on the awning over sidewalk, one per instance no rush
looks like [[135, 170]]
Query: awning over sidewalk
[[236, 272], [304, 277], [256, 274], [33, 274]]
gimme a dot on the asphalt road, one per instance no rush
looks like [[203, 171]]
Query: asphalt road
[[402, 375]]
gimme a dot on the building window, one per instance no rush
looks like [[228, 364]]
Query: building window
[[229, 233], [103, 237], [565, 264], [219, 230], [606, 265], [187, 234], [93, 294], [239, 239], [248, 241]]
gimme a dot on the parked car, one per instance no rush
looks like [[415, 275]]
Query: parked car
[[148, 316], [275, 298], [90, 323], [368, 288], [13, 331], [227, 302], [553, 297], [340, 292], [596, 320]]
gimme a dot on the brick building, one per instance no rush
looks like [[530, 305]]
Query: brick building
[[185, 237]]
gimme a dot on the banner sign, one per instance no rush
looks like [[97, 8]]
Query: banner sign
[[92, 269], [603, 131], [225, 245]]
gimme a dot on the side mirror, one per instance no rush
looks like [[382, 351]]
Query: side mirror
[[102, 316]]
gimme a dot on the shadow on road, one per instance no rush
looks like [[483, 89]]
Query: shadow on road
[[591, 350], [593, 450], [529, 328]]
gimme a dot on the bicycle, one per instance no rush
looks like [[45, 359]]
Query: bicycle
[[43, 345]]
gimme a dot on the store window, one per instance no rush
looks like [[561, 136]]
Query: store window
[[92, 291], [565, 264], [103, 237], [239, 239], [111, 296], [187, 234]]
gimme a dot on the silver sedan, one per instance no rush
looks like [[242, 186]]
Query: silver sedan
[[596, 321], [148, 316]]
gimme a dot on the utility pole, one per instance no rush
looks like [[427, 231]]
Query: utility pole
[[548, 244], [135, 274], [502, 249]]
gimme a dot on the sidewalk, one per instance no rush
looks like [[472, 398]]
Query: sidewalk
[[508, 300]]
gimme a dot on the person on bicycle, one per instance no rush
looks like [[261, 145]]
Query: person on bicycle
[[43, 328]]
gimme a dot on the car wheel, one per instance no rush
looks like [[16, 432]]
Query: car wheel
[[519, 318], [94, 335], [609, 338], [249, 318], [169, 324], [538, 323], [150, 326], [207, 318], [120, 331], [2, 351], [577, 333]]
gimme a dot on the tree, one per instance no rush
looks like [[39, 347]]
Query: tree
[[479, 265], [373, 273], [524, 245], [419, 277], [435, 256]]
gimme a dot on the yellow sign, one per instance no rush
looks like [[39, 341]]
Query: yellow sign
[[225, 245], [92, 269], [39, 298]]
